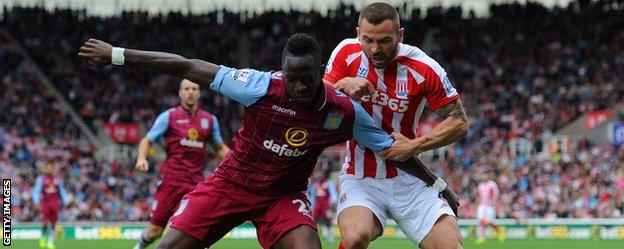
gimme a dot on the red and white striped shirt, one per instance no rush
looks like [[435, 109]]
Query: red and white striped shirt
[[486, 192], [411, 80]]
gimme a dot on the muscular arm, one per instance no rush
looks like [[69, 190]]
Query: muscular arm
[[195, 70], [414, 166], [452, 128], [372, 137], [199, 71]]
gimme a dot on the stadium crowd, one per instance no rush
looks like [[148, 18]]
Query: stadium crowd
[[523, 72]]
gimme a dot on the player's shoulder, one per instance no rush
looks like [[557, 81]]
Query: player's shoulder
[[277, 79], [413, 55], [338, 99], [276, 84], [346, 47], [205, 114], [349, 43], [170, 110]]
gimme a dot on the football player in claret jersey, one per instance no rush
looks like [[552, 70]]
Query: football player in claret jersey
[[49, 195], [290, 118], [186, 130], [393, 82], [323, 198]]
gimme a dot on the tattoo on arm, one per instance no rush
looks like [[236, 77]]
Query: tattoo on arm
[[454, 108]]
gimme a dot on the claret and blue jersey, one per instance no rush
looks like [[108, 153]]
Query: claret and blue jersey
[[185, 137], [276, 149]]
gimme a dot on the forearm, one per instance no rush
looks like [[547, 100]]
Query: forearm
[[415, 167], [195, 70], [143, 148], [219, 150], [448, 131], [222, 151]]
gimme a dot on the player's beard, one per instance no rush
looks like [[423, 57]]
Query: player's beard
[[386, 58]]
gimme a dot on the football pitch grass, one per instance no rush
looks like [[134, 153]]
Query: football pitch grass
[[378, 244]]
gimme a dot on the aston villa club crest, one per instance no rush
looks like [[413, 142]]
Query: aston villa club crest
[[204, 123], [333, 121], [401, 89]]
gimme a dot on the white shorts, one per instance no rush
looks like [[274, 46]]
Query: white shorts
[[485, 212], [413, 205]]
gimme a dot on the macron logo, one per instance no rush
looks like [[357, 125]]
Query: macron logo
[[282, 150], [284, 110]]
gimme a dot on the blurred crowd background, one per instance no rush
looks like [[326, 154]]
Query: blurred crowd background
[[524, 72]]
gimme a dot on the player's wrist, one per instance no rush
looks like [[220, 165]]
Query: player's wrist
[[439, 185], [415, 144], [117, 56]]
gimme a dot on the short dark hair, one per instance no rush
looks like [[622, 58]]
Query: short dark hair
[[376, 13], [302, 44]]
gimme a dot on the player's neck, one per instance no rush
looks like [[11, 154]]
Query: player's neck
[[190, 109]]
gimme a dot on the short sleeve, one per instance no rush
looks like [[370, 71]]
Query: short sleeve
[[160, 126], [438, 89], [367, 133], [215, 137], [336, 67], [243, 85]]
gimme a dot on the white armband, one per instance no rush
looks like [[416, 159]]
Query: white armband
[[439, 184], [117, 56]]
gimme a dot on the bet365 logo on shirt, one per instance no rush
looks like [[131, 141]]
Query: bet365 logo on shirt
[[382, 99]]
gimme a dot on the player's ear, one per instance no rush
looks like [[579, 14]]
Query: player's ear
[[401, 33], [322, 69]]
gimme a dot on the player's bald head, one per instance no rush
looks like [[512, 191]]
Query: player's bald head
[[376, 13], [186, 82]]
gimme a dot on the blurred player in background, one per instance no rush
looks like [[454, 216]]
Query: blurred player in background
[[290, 118], [49, 195], [186, 130], [394, 82], [487, 193], [323, 197]]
